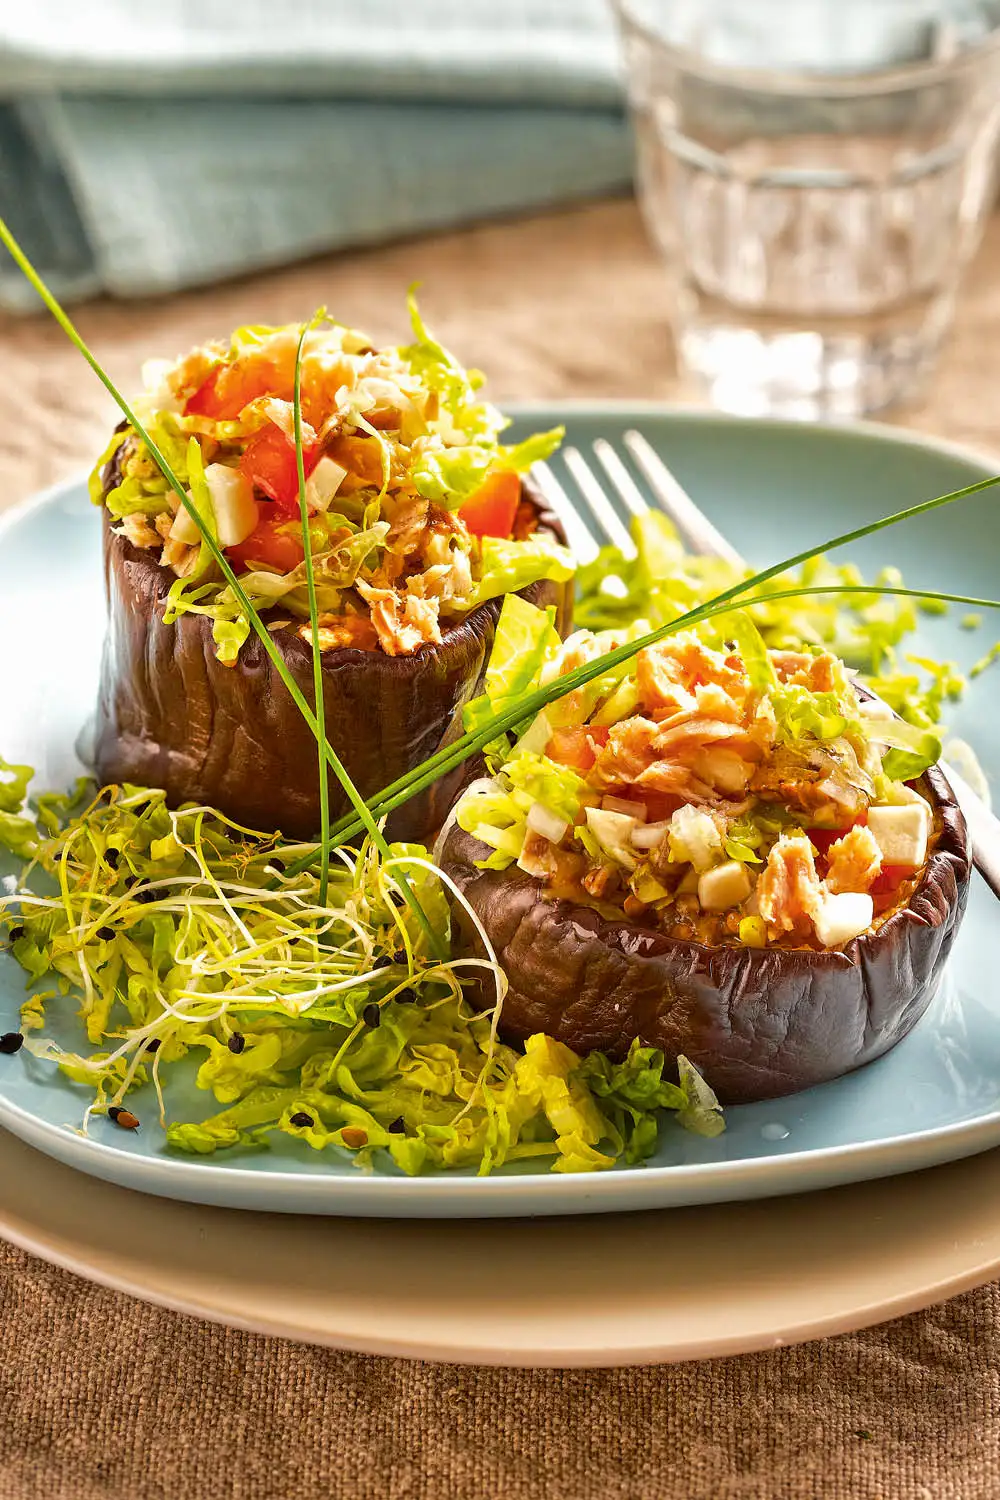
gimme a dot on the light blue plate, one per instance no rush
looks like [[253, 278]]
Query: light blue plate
[[773, 488]]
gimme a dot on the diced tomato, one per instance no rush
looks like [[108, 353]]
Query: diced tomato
[[230, 387], [577, 747], [491, 510], [268, 462], [823, 838], [890, 877], [267, 545]]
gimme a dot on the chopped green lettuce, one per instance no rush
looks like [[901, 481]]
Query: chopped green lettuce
[[333, 1026], [509, 566], [525, 639], [14, 781], [865, 629], [498, 818]]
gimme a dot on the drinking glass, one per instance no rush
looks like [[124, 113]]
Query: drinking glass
[[816, 173]]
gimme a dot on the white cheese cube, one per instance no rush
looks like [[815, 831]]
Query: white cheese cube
[[323, 483], [901, 833], [843, 917], [695, 837], [650, 835], [613, 831], [726, 886], [543, 820], [233, 502], [184, 529]]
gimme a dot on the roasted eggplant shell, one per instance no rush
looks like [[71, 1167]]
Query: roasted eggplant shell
[[170, 715], [759, 1022]]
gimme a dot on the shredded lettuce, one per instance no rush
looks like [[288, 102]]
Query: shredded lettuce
[[142, 488], [912, 749], [333, 1026], [865, 630], [498, 818], [14, 781], [337, 561], [525, 639], [509, 566]]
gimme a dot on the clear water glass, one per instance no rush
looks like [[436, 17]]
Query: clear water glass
[[816, 173]]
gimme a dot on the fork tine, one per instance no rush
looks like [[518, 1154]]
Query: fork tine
[[581, 542], [620, 477], [695, 528], [601, 508]]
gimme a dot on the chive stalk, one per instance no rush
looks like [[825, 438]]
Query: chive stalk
[[422, 776], [218, 556], [319, 697]]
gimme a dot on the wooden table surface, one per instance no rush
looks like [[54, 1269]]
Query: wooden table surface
[[563, 304]]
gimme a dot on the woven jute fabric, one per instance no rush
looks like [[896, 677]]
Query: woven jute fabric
[[104, 1398]]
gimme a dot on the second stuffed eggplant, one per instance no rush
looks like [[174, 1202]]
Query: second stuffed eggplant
[[723, 854]]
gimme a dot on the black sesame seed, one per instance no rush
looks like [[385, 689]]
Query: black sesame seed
[[14, 934], [145, 895], [371, 1015], [398, 1126], [237, 1043], [114, 1111], [383, 961], [277, 865], [11, 1042], [106, 934], [132, 880], [112, 857], [302, 1120], [406, 997], [397, 899], [154, 1044]]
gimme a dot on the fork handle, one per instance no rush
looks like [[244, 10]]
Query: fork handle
[[983, 825]]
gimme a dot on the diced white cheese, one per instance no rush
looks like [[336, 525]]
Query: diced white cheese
[[650, 835], [726, 886], [901, 832], [184, 528], [695, 837], [537, 735], [843, 917], [323, 483], [613, 831], [543, 820], [233, 502], [635, 810]]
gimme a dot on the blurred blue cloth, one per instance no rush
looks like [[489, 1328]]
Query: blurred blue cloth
[[147, 147]]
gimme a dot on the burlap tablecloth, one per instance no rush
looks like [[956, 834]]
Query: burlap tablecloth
[[101, 1396]]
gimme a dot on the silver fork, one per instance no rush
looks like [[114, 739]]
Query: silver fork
[[700, 536]]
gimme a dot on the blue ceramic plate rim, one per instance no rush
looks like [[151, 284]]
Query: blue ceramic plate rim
[[624, 1189]]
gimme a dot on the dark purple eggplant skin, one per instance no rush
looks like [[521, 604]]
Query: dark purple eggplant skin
[[758, 1022], [170, 715]]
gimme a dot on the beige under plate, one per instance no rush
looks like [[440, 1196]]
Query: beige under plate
[[612, 1289]]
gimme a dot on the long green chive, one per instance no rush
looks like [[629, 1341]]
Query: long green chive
[[319, 695], [367, 821], [460, 750]]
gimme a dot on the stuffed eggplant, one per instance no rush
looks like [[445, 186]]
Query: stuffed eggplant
[[727, 853], [420, 519]]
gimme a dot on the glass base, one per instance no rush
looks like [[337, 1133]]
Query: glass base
[[812, 374]]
